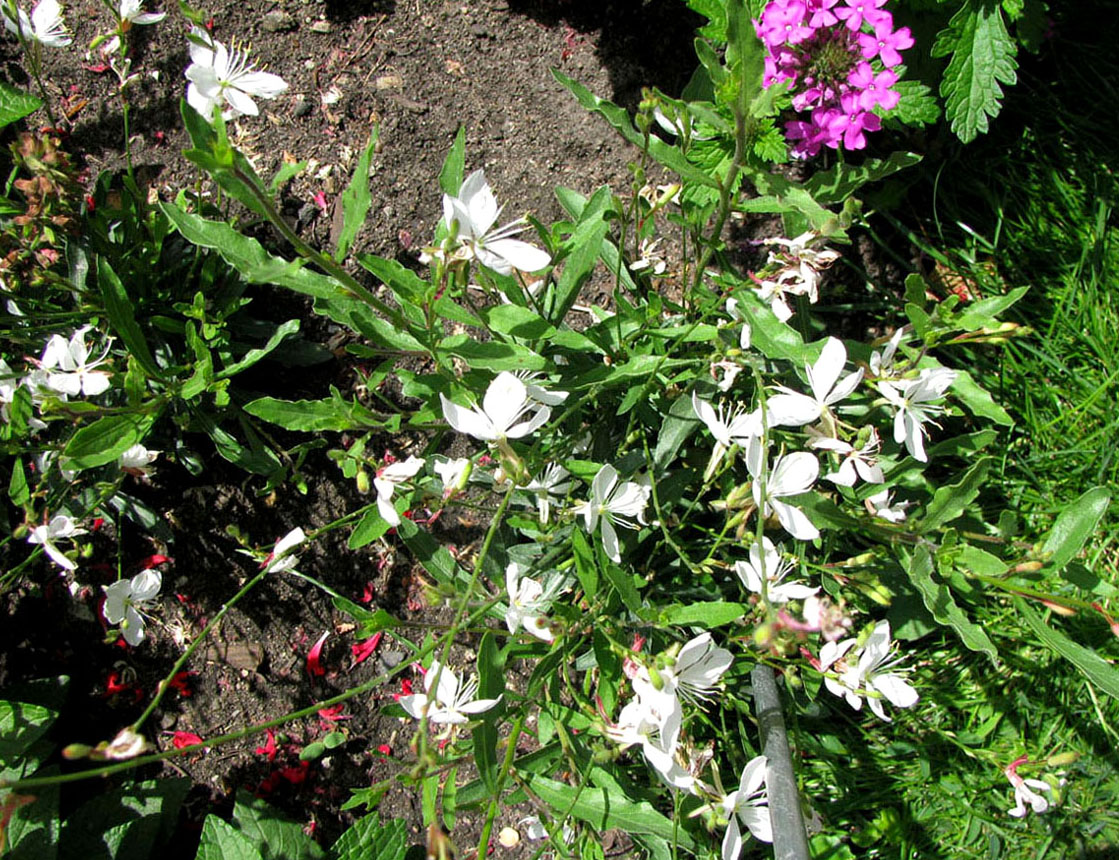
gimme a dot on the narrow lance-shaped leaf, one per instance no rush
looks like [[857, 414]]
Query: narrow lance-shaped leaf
[[356, 199], [939, 601]]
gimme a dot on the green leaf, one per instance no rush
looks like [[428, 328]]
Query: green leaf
[[122, 317], [257, 354], [333, 413], [917, 105], [371, 527], [276, 837], [490, 355], [433, 556], [221, 841], [978, 400], [369, 622], [939, 601], [585, 568], [21, 724], [18, 491], [105, 439], [221, 161], [516, 321], [677, 426], [34, 830], [950, 501], [983, 57], [368, 839], [16, 104], [356, 199], [668, 155], [451, 173], [984, 313], [123, 823], [839, 182], [715, 613], [1095, 668], [587, 244], [1074, 526], [491, 684], [605, 808]]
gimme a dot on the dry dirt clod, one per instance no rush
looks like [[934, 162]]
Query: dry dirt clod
[[278, 21]]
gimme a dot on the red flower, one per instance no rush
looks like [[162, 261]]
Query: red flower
[[314, 657], [405, 689], [334, 714], [154, 561], [364, 650], [295, 774], [385, 750], [269, 749], [367, 594], [181, 740], [180, 683]]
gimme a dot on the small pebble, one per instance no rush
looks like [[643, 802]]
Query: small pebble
[[321, 27], [508, 837], [278, 21]]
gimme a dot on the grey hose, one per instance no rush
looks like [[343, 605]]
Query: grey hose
[[790, 842]]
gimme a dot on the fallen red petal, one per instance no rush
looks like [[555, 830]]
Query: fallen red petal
[[181, 740], [269, 748], [334, 714], [364, 650], [314, 656]]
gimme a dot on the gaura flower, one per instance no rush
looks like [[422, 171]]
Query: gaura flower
[[528, 602], [857, 462], [126, 597], [218, 75], [75, 372], [870, 676], [776, 568], [548, 484], [135, 460], [748, 804], [793, 409], [1024, 797], [913, 399], [614, 503], [692, 675], [790, 475], [454, 474], [60, 526], [127, 744], [279, 560], [386, 481], [471, 217], [453, 701], [729, 428], [45, 26], [881, 506], [506, 403], [131, 12]]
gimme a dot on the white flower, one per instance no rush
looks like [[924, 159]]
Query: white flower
[[881, 506], [386, 481], [218, 75], [60, 526], [127, 744], [45, 25], [793, 409], [733, 428], [453, 474], [749, 804], [1023, 794], [913, 399], [857, 462], [126, 597], [131, 12], [528, 602], [735, 311], [872, 674], [471, 217], [697, 668], [135, 460], [882, 363], [547, 484], [278, 560], [539, 393], [453, 702], [614, 503], [75, 374], [790, 475], [776, 568], [659, 737], [506, 403], [534, 827]]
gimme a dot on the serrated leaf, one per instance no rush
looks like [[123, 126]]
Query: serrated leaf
[[983, 57], [1074, 526], [221, 841], [16, 104], [917, 105], [356, 199], [276, 837], [939, 601], [368, 838], [1095, 668], [948, 502]]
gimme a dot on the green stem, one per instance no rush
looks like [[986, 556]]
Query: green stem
[[506, 766]]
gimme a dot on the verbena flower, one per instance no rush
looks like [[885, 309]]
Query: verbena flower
[[471, 217], [45, 26], [385, 484], [220, 76], [767, 557], [614, 503], [69, 368], [507, 412], [748, 805], [60, 527], [126, 597], [451, 703]]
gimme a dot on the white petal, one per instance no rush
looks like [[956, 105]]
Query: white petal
[[262, 84], [794, 521], [756, 818], [521, 255], [145, 585], [133, 627], [468, 421], [478, 705], [240, 101], [95, 383], [791, 409], [896, 689], [384, 503], [732, 841], [505, 399], [845, 387], [824, 373], [538, 420], [792, 474], [292, 539], [610, 541]]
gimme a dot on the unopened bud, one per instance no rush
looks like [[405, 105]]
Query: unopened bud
[[76, 751], [1062, 759], [1028, 567], [362, 479]]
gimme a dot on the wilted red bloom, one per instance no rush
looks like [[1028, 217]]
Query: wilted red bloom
[[405, 689], [367, 594], [181, 740], [314, 656], [115, 685], [385, 750], [154, 561], [97, 523], [364, 650], [269, 749], [179, 682], [296, 773]]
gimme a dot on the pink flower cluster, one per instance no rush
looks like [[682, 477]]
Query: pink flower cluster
[[838, 60]]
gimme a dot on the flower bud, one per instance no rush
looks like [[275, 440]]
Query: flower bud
[[76, 751], [1062, 759], [362, 479]]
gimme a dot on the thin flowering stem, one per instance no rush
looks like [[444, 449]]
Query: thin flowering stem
[[503, 774]]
